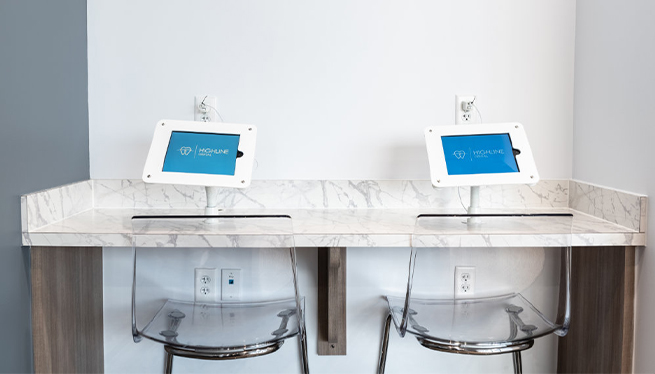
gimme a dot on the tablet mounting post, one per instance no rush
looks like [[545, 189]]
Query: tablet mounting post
[[474, 206], [212, 201]]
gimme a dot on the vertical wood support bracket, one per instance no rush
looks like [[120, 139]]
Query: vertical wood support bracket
[[331, 301], [600, 339], [67, 324]]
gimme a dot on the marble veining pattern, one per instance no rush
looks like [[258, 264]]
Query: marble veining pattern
[[365, 194], [49, 206], [324, 228], [488, 240], [325, 213], [352, 241], [622, 208], [134, 193]]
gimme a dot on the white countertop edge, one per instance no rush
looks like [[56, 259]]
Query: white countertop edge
[[350, 241]]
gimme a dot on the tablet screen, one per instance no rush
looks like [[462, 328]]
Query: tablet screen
[[203, 153], [479, 154]]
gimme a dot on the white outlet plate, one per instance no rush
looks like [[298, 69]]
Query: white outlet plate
[[464, 282], [210, 114], [461, 116], [206, 285], [230, 284]]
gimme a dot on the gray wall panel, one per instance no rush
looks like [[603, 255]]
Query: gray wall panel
[[43, 138]]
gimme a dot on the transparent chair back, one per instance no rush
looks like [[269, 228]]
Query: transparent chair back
[[167, 252], [521, 281]]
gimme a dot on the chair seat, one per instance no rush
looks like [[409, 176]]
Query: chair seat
[[225, 326], [491, 325]]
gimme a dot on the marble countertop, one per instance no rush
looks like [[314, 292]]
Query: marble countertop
[[329, 228], [74, 221]]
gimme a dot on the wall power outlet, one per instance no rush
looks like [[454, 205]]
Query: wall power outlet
[[206, 285], [464, 110], [205, 108], [464, 282]]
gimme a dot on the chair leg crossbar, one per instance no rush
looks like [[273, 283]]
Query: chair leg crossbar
[[170, 352], [516, 355]]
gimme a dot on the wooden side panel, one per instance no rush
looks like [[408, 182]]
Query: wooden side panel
[[332, 301], [67, 326], [628, 311], [600, 339]]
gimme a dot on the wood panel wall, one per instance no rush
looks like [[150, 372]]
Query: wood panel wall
[[600, 339], [67, 325]]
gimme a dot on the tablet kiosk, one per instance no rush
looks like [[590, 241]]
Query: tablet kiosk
[[476, 155], [201, 153]]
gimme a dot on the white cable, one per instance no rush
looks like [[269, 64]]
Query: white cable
[[476, 109], [215, 110], [202, 107], [460, 199]]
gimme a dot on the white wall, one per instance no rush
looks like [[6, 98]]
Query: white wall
[[371, 273], [339, 89], [614, 130]]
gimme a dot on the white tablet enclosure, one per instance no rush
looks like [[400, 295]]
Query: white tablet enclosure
[[201, 153], [478, 155]]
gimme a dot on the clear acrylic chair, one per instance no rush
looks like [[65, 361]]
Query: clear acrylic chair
[[167, 251], [522, 286]]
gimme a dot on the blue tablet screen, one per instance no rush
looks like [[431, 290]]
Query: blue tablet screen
[[201, 153], [479, 154]]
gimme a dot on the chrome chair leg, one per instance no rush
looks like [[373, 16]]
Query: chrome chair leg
[[303, 351], [168, 362], [385, 345], [518, 365]]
